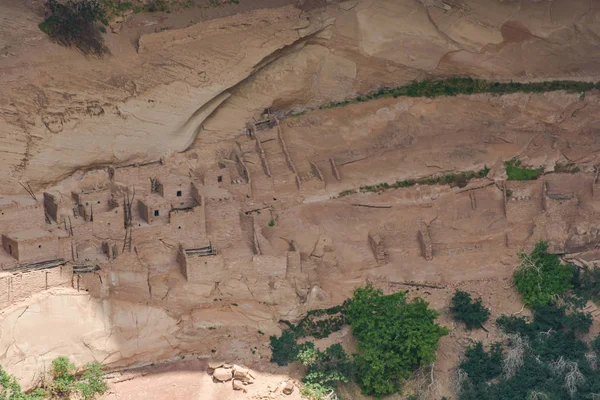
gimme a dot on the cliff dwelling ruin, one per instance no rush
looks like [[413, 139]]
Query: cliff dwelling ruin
[[228, 167]]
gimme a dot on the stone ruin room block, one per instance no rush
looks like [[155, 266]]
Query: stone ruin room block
[[426, 243], [177, 190], [377, 247], [153, 209], [32, 245], [94, 201], [202, 267]]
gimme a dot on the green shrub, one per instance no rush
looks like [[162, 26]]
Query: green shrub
[[472, 313], [272, 223], [92, 381], [11, 390], [394, 338], [325, 370], [481, 366], [586, 283], [76, 23], [517, 173], [541, 278], [63, 378], [543, 357], [568, 168], [284, 349], [595, 345]]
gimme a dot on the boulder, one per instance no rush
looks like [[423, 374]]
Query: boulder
[[288, 388], [242, 374], [214, 364], [237, 385], [222, 375]]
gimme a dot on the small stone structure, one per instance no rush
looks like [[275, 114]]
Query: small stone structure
[[201, 265], [177, 190], [32, 245], [154, 208], [377, 247], [565, 204], [94, 201], [425, 242]]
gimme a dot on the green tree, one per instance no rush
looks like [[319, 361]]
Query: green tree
[[63, 378], [92, 381], [284, 349], [541, 278], [394, 337], [472, 313], [76, 23]]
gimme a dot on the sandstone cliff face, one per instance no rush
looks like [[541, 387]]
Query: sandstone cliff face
[[61, 112], [185, 95], [67, 112]]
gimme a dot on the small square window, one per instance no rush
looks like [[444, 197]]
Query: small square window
[[219, 178], [179, 193], [156, 213]]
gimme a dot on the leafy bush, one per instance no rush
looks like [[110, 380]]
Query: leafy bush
[[517, 173], [63, 378], [586, 283], [11, 390], [76, 23], [481, 366], [63, 383], [92, 381], [541, 278], [284, 349], [472, 313], [394, 338], [325, 370]]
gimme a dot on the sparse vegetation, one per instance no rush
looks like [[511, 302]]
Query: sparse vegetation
[[541, 278], [517, 173], [568, 168], [460, 85], [459, 180], [63, 383], [76, 23], [272, 223], [472, 313]]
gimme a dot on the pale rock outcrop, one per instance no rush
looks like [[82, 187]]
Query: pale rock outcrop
[[223, 374]]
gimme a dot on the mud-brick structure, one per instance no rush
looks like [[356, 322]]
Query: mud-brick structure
[[177, 190], [189, 226], [377, 247], [154, 209], [557, 202], [201, 265], [94, 201], [32, 245], [202, 192], [20, 213], [220, 177], [425, 242]]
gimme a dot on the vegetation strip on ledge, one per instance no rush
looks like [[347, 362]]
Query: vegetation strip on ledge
[[461, 85], [460, 180]]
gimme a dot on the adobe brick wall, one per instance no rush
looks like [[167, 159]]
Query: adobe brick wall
[[18, 287]]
